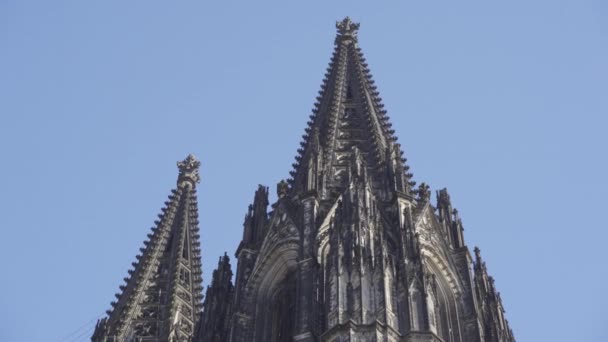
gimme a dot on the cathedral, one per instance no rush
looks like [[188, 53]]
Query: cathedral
[[352, 250]]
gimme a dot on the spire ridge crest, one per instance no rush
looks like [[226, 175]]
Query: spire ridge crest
[[188, 170], [347, 30]]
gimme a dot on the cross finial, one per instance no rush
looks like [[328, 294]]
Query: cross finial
[[188, 169], [347, 30]]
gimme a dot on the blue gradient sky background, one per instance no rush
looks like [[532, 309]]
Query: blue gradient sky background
[[502, 102]]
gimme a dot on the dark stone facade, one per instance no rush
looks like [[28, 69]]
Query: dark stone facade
[[351, 250]]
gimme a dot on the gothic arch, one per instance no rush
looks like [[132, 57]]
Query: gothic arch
[[274, 282], [434, 248], [446, 304]]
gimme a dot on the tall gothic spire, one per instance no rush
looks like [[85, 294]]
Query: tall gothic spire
[[161, 297], [348, 113]]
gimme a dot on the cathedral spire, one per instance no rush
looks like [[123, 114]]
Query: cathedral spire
[[349, 113], [349, 251], [162, 294]]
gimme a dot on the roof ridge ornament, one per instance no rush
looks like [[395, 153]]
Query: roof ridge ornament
[[188, 170], [347, 30]]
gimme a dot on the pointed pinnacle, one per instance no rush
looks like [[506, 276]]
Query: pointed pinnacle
[[347, 30], [477, 254], [188, 170]]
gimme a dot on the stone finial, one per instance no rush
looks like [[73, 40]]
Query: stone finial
[[477, 253], [282, 188], [316, 139], [424, 193], [455, 214], [443, 198], [188, 169], [347, 30]]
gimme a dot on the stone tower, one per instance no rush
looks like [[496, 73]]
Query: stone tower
[[161, 297], [351, 251]]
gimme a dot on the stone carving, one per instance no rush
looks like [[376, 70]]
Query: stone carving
[[144, 309], [188, 169], [184, 277], [424, 193], [184, 295], [282, 188], [186, 311], [347, 29], [150, 312], [145, 329], [186, 327], [151, 297]]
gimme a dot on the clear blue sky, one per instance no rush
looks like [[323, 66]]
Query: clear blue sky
[[503, 102]]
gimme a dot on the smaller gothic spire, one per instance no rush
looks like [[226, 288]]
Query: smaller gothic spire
[[424, 193], [165, 280]]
